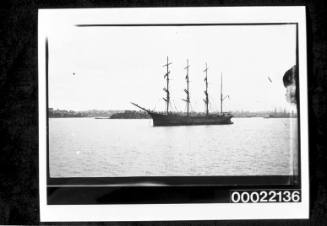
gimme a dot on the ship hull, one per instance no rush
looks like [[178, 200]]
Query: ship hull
[[183, 120]]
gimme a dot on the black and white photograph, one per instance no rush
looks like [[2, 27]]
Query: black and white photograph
[[176, 106]]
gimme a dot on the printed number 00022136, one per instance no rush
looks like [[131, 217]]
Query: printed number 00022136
[[265, 196]]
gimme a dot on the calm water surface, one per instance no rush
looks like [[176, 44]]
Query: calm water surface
[[87, 147]]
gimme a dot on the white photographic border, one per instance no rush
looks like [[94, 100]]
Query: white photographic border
[[173, 212]]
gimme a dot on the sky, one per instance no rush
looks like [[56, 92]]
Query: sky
[[106, 68]]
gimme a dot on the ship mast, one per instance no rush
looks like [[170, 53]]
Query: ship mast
[[187, 90], [221, 93], [166, 89], [222, 97], [206, 100]]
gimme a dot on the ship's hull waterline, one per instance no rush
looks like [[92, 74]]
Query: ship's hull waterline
[[183, 120]]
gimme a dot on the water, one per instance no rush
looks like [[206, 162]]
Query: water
[[86, 147]]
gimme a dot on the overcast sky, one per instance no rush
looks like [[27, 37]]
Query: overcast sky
[[109, 67]]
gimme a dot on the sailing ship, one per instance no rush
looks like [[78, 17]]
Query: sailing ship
[[175, 119]]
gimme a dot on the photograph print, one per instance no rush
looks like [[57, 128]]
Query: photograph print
[[169, 102], [172, 100]]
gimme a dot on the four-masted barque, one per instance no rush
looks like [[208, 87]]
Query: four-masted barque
[[175, 119]]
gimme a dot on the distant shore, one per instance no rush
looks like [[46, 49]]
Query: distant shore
[[128, 114]]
